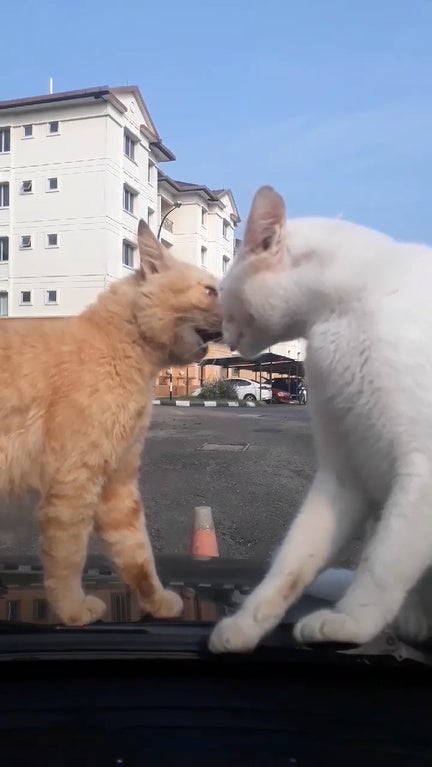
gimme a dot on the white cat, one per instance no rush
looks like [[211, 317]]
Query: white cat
[[364, 303]]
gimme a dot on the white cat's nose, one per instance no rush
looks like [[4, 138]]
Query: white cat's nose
[[234, 341]]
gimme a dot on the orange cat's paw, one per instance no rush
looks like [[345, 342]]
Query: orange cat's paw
[[170, 605], [89, 610]]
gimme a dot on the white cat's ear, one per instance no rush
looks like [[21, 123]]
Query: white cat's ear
[[152, 253], [267, 215]]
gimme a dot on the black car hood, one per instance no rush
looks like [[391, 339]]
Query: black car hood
[[210, 587]]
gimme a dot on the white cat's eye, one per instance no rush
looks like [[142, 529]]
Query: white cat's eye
[[210, 290]]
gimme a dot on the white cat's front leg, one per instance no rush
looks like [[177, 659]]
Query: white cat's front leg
[[393, 562], [326, 519]]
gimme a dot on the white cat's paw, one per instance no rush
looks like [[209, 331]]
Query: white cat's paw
[[412, 625], [332, 626], [234, 634]]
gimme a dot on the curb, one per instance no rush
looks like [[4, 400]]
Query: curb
[[207, 403]]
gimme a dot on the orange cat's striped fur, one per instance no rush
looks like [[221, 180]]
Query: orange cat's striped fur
[[75, 402]]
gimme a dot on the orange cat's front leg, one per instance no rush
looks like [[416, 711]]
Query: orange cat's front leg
[[121, 524], [65, 527]]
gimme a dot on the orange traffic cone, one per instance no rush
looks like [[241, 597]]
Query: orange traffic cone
[[204, 541]]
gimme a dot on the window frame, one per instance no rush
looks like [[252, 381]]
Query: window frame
[[48, 244], [5, 130], [127, 190], [49, 131], [3, 294], [4, 239], [26, 247], [128, 245], [27, 191], [127, 138], [49, 189], [47, 300], [4, 185], [26, 303]]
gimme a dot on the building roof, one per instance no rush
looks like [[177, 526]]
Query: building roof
[[52, 98], [213, 195], [113, 95]]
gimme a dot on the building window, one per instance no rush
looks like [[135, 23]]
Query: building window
[[204, 257], [14, 610], [225, 264], [120, 607], [26, 242], [150, 172], [4, 139], [203, 217], [4, 195], [53, 184], [27, 187], [50, 296], [4, 249], [168, 224], [52, 240], [40, 609], [53, 128], [128, 200], [129, 146], [128, 254], [4, 303], [28, 131], [25, 297], [225, 228]]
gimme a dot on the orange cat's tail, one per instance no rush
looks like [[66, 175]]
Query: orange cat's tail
[[204, 540]]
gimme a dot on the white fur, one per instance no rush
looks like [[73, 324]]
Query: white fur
[[364, 303]]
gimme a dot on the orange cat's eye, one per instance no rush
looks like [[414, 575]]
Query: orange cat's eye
[[210, 290]]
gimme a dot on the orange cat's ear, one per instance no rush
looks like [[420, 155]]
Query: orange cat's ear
[[152, 253], [267, 214]]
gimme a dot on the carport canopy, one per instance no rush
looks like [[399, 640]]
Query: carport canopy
[[268, 362]]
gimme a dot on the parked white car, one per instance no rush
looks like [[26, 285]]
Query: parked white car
[[247, 389]]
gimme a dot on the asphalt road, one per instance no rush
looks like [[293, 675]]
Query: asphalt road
[[253, 493]]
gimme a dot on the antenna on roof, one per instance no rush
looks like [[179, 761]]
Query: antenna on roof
[[50, 85]]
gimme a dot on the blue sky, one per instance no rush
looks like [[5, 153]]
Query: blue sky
[[330, 101]]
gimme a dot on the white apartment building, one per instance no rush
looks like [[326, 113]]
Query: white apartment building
[[77, 171], [201, 225]]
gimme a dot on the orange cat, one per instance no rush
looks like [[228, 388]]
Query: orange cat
[[75, 403]]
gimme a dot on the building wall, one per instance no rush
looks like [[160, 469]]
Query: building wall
[[295, 349], [188, 236], [221, 246], [196, 238]]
